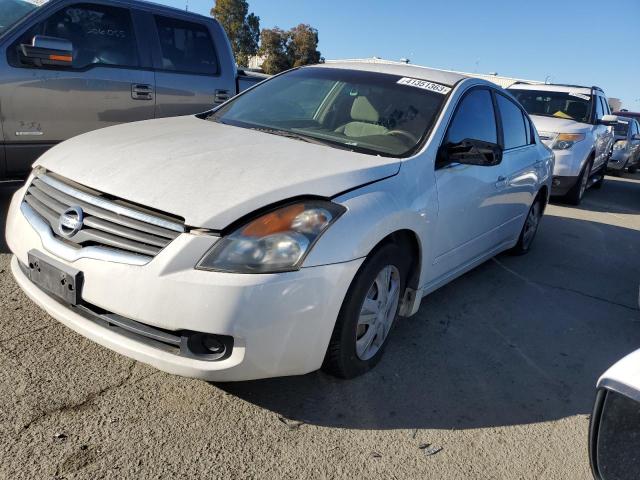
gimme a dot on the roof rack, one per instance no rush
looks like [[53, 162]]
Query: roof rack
[[594, 87]]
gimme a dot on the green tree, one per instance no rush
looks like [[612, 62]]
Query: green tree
[[273, 47], [302, 46], [287, 49], [242, 27]]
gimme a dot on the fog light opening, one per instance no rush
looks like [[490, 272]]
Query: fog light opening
[[207, 346]]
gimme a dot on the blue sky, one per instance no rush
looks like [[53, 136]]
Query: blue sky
[[585, 42]]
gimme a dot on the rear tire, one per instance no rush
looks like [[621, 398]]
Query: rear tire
[[361, 330], [574, 196], [530, 228]]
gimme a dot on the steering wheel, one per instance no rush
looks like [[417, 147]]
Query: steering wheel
[[405, 134]]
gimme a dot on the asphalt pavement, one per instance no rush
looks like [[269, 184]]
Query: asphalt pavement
[[497, 370]]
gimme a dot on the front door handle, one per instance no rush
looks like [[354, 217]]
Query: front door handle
[[501, 182], [141, 91]]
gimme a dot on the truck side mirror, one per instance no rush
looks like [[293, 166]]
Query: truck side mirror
[[614, 433], [47, 51]]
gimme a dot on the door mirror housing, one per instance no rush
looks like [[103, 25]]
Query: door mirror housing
[[47, 51], [470, 152], [614, 432], [608, 120]]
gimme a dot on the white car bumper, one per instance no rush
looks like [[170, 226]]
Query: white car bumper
[[280, 323]]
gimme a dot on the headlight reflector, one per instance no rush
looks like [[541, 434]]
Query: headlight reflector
[[564, 141], [620, 145], [277, 241]]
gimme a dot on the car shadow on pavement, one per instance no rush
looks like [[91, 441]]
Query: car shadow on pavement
[[617, 195], [517, 340]]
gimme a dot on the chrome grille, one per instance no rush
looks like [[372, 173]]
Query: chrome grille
[[110, 223]]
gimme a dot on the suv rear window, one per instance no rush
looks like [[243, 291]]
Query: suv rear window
[[186, 46], [572, 106]]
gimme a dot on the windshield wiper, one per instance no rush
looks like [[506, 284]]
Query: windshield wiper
[[302, 137]]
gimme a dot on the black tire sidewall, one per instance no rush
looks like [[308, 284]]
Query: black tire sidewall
[[343, 360]]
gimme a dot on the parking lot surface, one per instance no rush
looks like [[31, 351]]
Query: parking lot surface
[[497, 369]]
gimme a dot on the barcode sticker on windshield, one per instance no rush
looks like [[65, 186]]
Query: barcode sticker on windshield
[[579, 95], [425, 85]]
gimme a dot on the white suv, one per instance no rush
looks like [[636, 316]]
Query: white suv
[[576, 123], [285, 230]]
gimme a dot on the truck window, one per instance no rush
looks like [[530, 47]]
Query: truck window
[[100, 34], [186, 47]]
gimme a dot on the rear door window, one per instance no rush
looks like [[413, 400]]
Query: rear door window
[[513, 123], [186, 47]]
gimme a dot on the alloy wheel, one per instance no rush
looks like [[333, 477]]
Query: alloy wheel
[[378, 312], [531, 224]]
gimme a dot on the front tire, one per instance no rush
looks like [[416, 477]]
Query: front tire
[[574, 196], [368, 313]]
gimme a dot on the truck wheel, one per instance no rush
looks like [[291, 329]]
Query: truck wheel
[[574, 196], [529, 229], [367, 314]]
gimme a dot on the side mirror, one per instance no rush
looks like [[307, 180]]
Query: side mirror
[[608, 120], [614, 432], [470, 152], [48, 51]]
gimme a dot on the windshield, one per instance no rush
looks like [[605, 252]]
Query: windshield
[[11, 11], [572, 106], [361, 111]]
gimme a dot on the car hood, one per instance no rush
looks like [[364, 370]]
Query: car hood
[[208, 173], [558, 125]]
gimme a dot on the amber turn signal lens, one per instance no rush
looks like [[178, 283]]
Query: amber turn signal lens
[[278, 221], [570, 137]]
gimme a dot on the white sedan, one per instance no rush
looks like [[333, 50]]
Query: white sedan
[[286, 230]]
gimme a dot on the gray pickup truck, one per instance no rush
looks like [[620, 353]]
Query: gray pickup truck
[[70, 66]]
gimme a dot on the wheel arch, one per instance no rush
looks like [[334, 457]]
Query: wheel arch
[[408, 241]]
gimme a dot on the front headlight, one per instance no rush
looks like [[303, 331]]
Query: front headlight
[[620, 145], [277, 241], [564, 141]]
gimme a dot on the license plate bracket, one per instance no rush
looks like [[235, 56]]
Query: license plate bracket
[[55, 278]]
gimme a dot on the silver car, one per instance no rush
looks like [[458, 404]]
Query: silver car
[[626, 147]]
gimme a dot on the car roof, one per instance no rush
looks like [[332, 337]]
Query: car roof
[[546, 87], [397, 68]]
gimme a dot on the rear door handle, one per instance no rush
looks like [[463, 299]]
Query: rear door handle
[[141, 91]]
